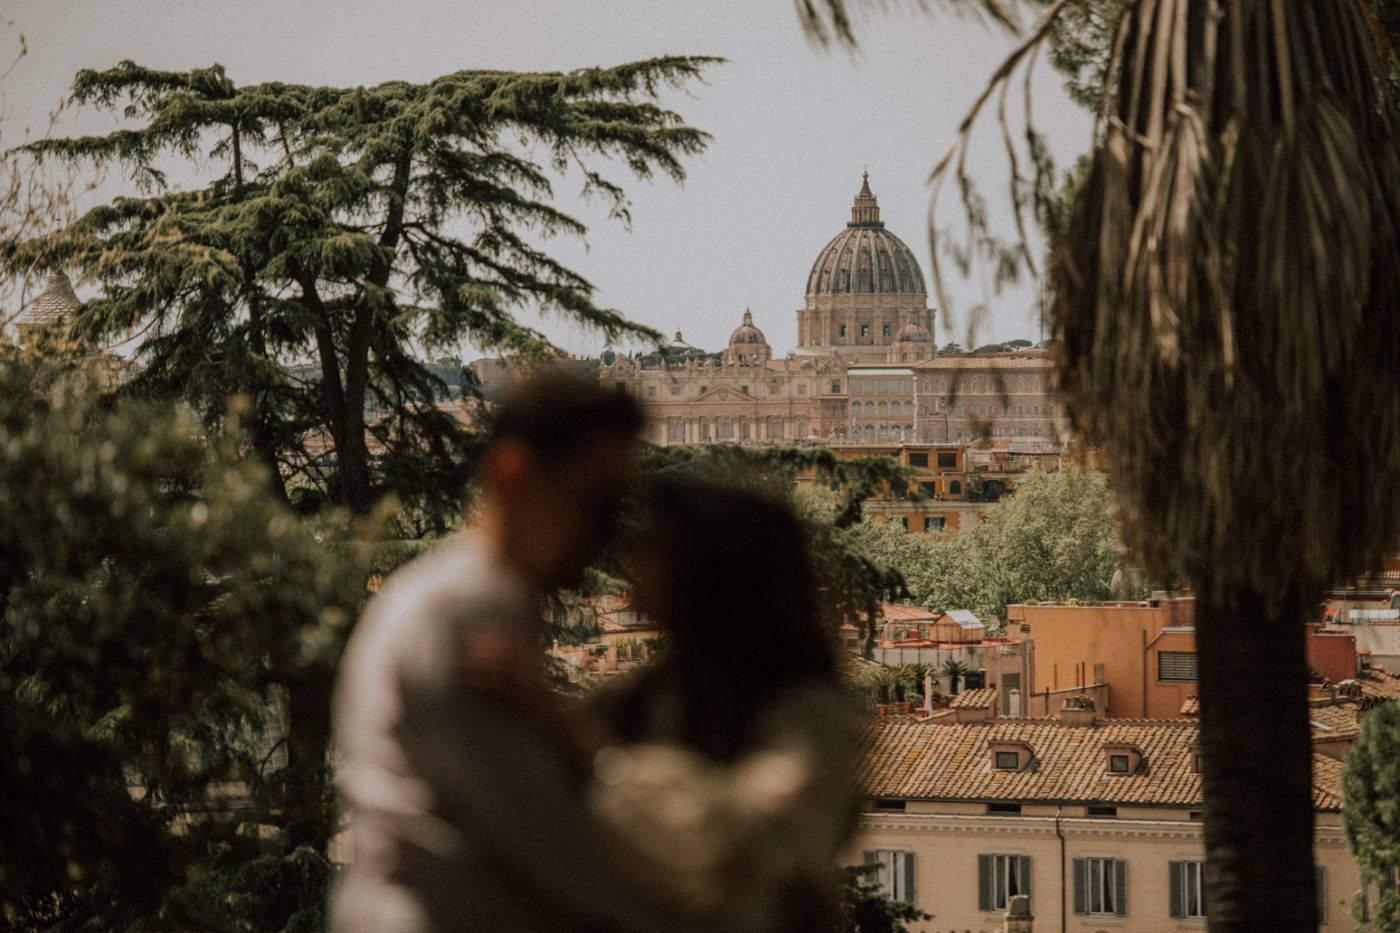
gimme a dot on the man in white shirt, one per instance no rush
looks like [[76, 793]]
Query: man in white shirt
[[464, 817]]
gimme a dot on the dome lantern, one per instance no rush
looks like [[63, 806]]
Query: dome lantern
[[865, 210]]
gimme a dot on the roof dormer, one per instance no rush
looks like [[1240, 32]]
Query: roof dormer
[[1121, 758], [1010, 755]]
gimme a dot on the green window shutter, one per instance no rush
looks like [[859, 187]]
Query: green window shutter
[[1081, 905], [1321, 893], [909, 893], [1026, 875], [984, 882], [1175, 870], [1120, 887]]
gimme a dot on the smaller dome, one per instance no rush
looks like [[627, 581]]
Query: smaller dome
[[679, 349], [747, 333], [913, 332], [56, 302]]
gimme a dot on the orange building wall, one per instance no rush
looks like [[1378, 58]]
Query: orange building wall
[[1332, 654], [1071, 642]]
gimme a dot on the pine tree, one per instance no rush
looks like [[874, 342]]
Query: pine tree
[[345, 227]]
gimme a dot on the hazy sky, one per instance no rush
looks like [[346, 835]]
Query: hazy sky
[[793, 125]]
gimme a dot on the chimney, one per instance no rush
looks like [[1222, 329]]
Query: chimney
[[1078, 711], [1018, 914]]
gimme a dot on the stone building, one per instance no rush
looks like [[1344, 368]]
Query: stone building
[[1097, 820], [865, 371]]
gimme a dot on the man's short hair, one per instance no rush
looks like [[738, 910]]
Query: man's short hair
[[557, 414]]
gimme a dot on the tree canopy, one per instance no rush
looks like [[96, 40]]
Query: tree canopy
[[345, 227], [170, 631], [1371, 812], [1054, 538]]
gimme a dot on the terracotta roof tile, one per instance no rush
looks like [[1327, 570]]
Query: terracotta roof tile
[[940, 760], [1380, 683], [980, 698], [898, 612], [1330, 722], [1327, 782]]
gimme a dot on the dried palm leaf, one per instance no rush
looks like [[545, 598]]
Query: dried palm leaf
[[830, 21], [1225, 296]]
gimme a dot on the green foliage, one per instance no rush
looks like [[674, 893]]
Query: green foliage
[[852, 581], [1081, 44], [867, 908], [1371, 812], [340, 227], [953, 669], [1053, 539], [164, 617]]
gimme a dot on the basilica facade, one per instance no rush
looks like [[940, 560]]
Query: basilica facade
[[866, 370]]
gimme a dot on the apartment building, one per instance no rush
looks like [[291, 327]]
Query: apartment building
[[1098, 821]]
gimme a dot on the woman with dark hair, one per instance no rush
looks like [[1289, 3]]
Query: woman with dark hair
[[722, 770], [732, 768]]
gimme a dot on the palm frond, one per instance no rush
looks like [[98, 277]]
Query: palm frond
[[1224, 295]]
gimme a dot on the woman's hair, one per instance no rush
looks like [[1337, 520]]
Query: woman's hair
[[738, 604]]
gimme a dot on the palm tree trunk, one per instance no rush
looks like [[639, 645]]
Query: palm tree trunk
[[1256, 755]]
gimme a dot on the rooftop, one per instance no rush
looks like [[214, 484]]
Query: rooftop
[[980, 698], [939, 760]]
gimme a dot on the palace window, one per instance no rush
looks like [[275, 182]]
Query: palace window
[[865, 330], [1187, 888], [885, 331], [894, 869], [933, 523], [1001, 877], [1101, 886]]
